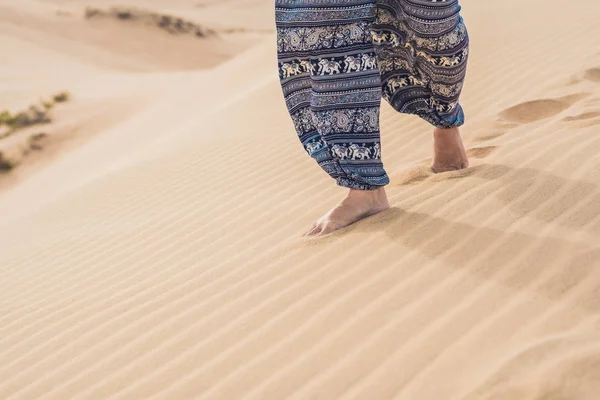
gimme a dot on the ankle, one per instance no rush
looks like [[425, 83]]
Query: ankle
[[374, 196], [439, 132]]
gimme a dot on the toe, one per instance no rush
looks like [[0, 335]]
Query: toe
[[314, 231], [328, 228], [312, 227]]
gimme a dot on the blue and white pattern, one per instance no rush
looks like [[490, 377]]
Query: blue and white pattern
[[338, 58]]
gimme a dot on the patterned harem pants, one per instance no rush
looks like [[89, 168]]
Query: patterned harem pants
[[337, 58]]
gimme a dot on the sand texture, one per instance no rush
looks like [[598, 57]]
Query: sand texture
[[151, 248]]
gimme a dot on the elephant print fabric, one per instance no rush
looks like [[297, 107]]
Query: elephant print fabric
[[337, 58]]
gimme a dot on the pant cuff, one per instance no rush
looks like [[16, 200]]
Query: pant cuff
[[351, 184], [448, 125], [448, 122]]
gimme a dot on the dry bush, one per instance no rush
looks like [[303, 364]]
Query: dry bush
[[92, 12], [5, 117], [14, 147], [36, 114], [171, 24], [6, 163], [62, 97]]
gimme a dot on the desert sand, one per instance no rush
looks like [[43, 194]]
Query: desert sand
[[153, 249]]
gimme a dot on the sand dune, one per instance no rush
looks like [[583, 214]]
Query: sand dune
[[92, 52], [159, 257], [104, 37]]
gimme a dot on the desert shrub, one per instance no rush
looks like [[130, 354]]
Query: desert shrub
[[5, 117], [36, 114], [48, 105], [6, 164], [91, 12], [61, 97], [37, 136], [164, 21], [124, 14], [169, 23], [20, 119], [34, 140]]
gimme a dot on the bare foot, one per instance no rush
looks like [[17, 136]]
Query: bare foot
[[359, 204], [449, 151]]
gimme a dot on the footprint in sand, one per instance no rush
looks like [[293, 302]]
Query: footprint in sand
[[491, 128], [592, 74], [498, 129], [583, 116], [413, 176], [481, 152], [536, 110], [589, 75]]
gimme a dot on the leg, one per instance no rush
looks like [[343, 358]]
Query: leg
[[422, 52], [449, 153], [332, 88]]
